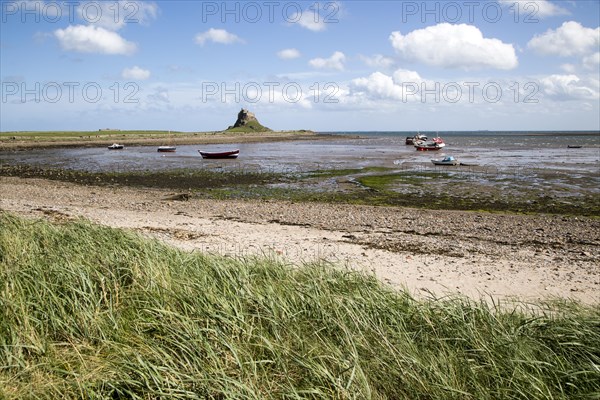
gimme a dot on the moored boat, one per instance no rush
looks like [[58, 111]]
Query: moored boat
[[166, 149], [219, 154], [116, 146], [428, 147], [434, 144], [414, 139], [448, 160]]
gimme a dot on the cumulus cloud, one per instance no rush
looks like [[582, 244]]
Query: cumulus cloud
[[378, 61], [317, 16], [309, 19], [113, 15], [454, 46], [136, 73], [384, 87], [569, 87], [217, 36], [570, 39], [288, 54], [407, 76], [535, 8], [336, 61], [92, 39], [592, 62], [379, 85]]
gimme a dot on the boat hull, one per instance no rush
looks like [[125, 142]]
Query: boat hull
[[444, 162], [166, 149], [221, 154], [428, 148]]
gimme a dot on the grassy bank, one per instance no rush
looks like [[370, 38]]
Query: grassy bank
[[92, 312]]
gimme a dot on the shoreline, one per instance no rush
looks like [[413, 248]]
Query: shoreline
[[8, 143], [480, 255], [362, 186]]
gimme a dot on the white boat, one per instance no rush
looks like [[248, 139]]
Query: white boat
[[116, 146], [436, 143], [448, 160], [166, 149], [417, 138]]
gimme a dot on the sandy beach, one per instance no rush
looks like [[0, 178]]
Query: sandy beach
[[481, 255]]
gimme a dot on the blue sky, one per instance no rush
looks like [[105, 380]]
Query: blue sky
[[326, 66]]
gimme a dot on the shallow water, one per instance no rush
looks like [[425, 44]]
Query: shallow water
[[537, 159]]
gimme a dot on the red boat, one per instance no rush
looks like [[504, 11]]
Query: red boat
[[219, 154]]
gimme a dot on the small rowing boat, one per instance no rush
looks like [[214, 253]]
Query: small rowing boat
[[166, 149], [448, 160], [219, 154], [116, 146]]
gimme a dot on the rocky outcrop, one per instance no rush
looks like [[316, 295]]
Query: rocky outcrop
[[244, 117], [247, 121]]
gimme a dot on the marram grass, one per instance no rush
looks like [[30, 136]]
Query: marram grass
[[89, 312]]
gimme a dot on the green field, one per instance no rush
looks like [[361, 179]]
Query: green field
[[251, 126], [83, 138], [85, 134], [93, 312]]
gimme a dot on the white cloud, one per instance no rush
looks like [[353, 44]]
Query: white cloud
[[534, 8], [92, 39], [315, 18], [217, 36], [454, 46], [336, 61], [407, 76], [379, 85], [288, 54], [115, 15], [592, 62], [136, 73], [569, 87], [310, 20], [378, 61], [570, 39]]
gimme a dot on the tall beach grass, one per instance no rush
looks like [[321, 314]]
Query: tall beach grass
[[98, 313]]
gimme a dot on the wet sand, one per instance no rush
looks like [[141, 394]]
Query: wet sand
[[481, 255]]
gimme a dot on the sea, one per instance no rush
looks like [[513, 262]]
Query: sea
[[499, 151]]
